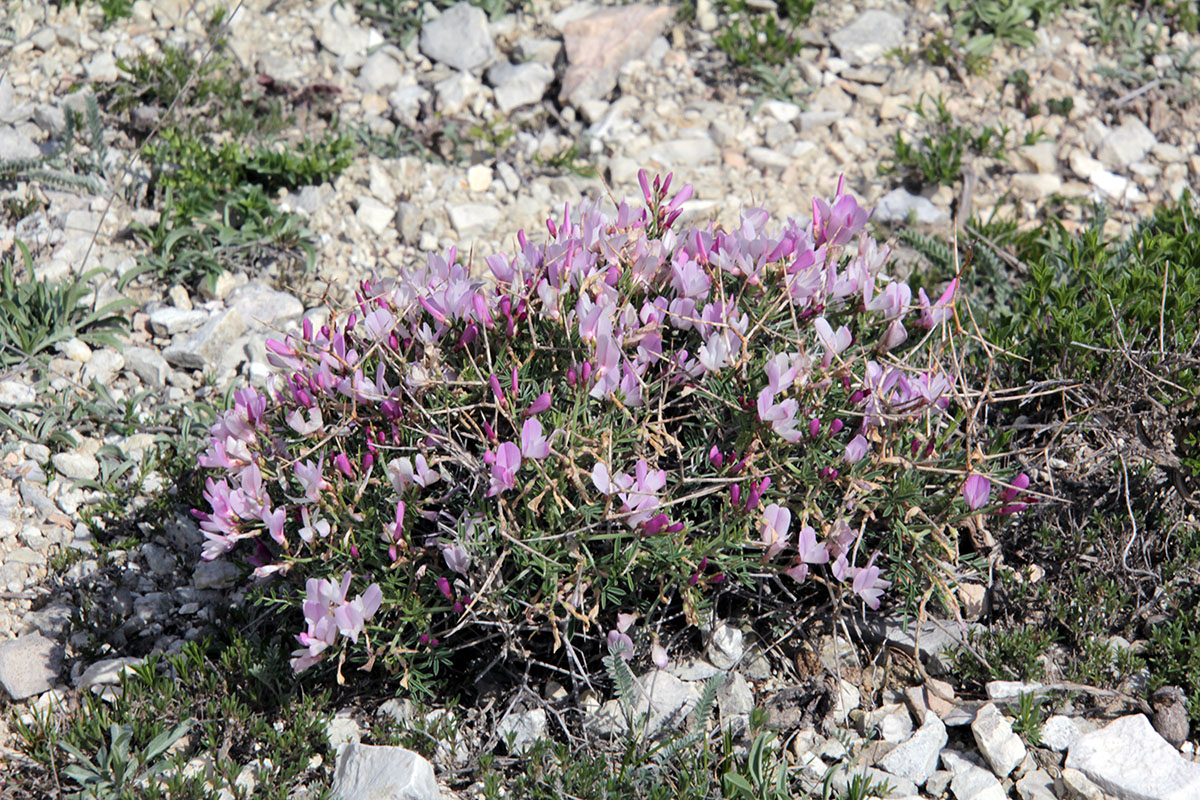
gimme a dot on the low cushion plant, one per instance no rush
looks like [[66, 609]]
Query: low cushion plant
[[624, 419]]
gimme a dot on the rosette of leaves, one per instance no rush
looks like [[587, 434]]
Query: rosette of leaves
[[624, 417]]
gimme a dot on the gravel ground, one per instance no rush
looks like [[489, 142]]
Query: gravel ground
[[629, 87]]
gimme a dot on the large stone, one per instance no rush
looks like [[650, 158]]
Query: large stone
[[148, 365], [76, 466], [601, 43], [917, 758], [520, 730], [214, 574], [725, 648], [897, 206], [1128, 759], [28, 665], [1127, 143], [660, 697], [459, 38], [971, 781], [869, 37], [380, 73], [374, 215], [107, 672], [263, 307], [473, 220], [103, 366], [169, 320], [994, 735], [1037, 785], [1059, 732], [519, 85], [206, 346], [367, 772]]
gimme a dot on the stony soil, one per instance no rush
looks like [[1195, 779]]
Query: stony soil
[[665, 100]]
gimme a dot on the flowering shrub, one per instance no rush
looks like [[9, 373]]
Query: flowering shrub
[[621, 419]]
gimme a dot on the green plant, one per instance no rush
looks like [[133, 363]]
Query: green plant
[[35, 315], [569, 159], [66, 169], [400, 20], [937, 157], [116, 772], [1028, 718], [113, 10], [979, 24], [757, 779]]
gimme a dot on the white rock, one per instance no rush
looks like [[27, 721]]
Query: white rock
[[971, 781], [107, 672], [75, 349], [781, 111], [454, 93], [148, 365], [1125, 144], [28, 665], [1116, 188], [994, 735], [15, 393], [917, 758], [380, 73], [459, 38], [1127, 758], [1083, 165], [1042, 156], [519, 85], [374, 215], [473, 220], [366, 772], [897, 205], [168, 321], [342, 730], [103, 366], [725, 648], [525, 728], [479, 178], [869, 37], [76, 466], [1036, 185], [847, 699], [1058, 732], [406, 102], [1037, 785]]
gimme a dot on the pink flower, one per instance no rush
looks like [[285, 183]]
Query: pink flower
[[658, 655], [296, 422], [274, 521], [940, 311], [976, 491], [311, 526], [774, 529], [834, 343], [311, 479], [533, 442], [539, 405], [1019, 484], [867, 583], [504, 468], [403, 474], [856, 449]]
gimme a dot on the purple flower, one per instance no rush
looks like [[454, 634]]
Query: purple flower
[[504, 468], [310, 477], [619, 644], [296, 422], [274, 521], [777, 520], [533, 442], [976, 491], [1019, 484], [403, 473], [940, 311], [856, 449], [311, 526], [867, 583], [327, 613], [839, 223], [539, 405]]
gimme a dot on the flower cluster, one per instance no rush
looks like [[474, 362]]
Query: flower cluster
[[622, 402]]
